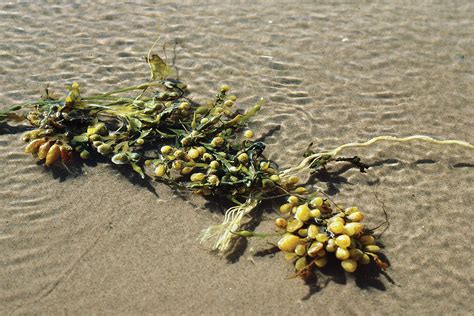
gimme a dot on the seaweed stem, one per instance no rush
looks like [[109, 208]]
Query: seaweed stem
[[328, 156]]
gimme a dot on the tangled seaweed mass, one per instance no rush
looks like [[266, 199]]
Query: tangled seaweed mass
[[206, 148]]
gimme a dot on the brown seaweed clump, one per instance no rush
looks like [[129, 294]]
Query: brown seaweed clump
[[163, 135]]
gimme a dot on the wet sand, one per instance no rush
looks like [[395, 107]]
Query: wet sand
[[100, 243]]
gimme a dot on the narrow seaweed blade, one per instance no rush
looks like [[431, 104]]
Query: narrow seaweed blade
[[158, 68]]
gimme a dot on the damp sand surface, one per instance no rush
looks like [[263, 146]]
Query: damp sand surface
[[333, 73]]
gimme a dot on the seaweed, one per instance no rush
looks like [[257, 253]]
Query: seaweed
[[208, 149]]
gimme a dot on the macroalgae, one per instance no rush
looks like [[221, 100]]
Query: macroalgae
[[163, 135]]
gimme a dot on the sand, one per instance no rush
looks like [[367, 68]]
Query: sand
[[333, 73]]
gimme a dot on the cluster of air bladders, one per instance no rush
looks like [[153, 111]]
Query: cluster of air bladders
[[314, 230]]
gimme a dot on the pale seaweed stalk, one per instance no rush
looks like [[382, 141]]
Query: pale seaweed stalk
[[223, 234], [325, 157]]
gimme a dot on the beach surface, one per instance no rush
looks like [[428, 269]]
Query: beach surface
[[100, 243]]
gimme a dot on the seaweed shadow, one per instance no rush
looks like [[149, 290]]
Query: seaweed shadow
[[62, 172], [463, 165], [366, 277], [241, 243], [135, 179], [13, 129], [269, 133]]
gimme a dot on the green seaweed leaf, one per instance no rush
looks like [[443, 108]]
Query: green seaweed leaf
[[158, 68], [137, 169], [134, 124], [8, 115], [82, 138], [252, 111]]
